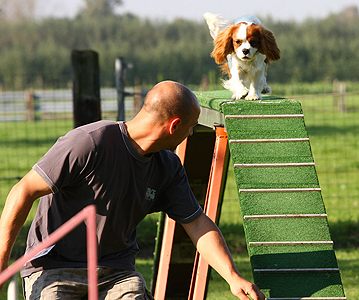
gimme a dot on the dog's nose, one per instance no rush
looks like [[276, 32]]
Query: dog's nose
[[245, 51]]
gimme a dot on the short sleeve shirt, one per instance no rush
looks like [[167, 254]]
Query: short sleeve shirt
[[96, 164]]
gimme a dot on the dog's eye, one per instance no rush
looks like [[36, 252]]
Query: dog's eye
[[238, 42], [254, 43]]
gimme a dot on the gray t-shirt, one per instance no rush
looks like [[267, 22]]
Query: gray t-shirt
[[96, 164]]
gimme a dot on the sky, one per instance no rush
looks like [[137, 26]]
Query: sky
[[279, 10]]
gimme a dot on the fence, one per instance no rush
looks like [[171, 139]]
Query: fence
[[34, 105], [332, 121], [32, 120], [333, 128]]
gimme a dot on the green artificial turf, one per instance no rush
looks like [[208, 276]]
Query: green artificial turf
[[294, 283]]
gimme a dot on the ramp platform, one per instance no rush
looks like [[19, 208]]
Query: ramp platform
[[285, 222]]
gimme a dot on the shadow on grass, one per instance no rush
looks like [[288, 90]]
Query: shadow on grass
[[315, 130], [345, 234]]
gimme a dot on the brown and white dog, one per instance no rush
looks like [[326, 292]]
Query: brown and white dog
[[244, 49]]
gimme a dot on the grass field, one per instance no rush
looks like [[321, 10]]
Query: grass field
[[334, 140]]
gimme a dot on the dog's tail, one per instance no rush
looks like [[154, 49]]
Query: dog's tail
[[215, 23]]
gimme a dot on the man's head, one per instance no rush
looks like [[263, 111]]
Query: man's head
[[173, 108], [169, 99]]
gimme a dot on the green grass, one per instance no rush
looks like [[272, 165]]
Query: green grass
[[333, 136], [21, 145], [334, 141]]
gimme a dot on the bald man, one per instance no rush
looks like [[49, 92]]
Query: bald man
[[128, 170]]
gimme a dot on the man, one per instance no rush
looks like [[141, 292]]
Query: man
[[125, 168]]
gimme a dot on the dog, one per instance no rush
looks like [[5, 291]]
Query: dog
[[244, 50]]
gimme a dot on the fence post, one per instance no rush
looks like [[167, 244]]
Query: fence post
[[86, 87], [343, 100], [32, 104], [120, 66], [339, 98]]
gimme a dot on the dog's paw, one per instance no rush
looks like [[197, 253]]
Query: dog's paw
[[241, 94], [266, 89], [253, 97]]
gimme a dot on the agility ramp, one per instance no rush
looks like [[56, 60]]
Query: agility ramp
[[285, 222]]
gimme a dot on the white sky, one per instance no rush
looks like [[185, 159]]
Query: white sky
[[282, 10]]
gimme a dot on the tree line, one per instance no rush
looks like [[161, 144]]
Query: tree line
[[38, 52]]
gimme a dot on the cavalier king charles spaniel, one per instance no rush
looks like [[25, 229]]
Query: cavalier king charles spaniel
[[244, 49]]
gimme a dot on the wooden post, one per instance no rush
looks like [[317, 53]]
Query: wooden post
[[339, 98], [30, 105], [86, 87], [335, 92], [342, 91]]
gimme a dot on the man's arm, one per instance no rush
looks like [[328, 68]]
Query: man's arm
[[16, 210], [211, 245]]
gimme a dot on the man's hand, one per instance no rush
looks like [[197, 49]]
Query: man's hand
[[211, 245], [243, 288]]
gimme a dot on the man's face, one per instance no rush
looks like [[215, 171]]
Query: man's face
[[184, 130]]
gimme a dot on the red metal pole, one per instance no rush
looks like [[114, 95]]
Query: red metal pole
[[88, 213], [91, 253]]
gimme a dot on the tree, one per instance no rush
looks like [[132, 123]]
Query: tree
[[99, 8]]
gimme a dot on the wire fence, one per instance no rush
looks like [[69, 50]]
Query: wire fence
[[32, 120]]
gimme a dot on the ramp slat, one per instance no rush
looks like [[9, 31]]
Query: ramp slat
[[294, 216], [292, 116], [275, 165], [253, 141]]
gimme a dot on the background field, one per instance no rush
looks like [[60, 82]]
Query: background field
[[334, 139]]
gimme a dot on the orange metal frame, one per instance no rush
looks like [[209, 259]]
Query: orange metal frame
[[200, 267]]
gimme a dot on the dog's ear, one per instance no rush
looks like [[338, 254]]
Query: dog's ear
[[223, 45], [269, 45]]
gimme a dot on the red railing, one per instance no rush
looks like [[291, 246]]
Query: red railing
[[88, 214]]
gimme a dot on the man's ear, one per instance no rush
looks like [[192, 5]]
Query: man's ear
[[174, 124]]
